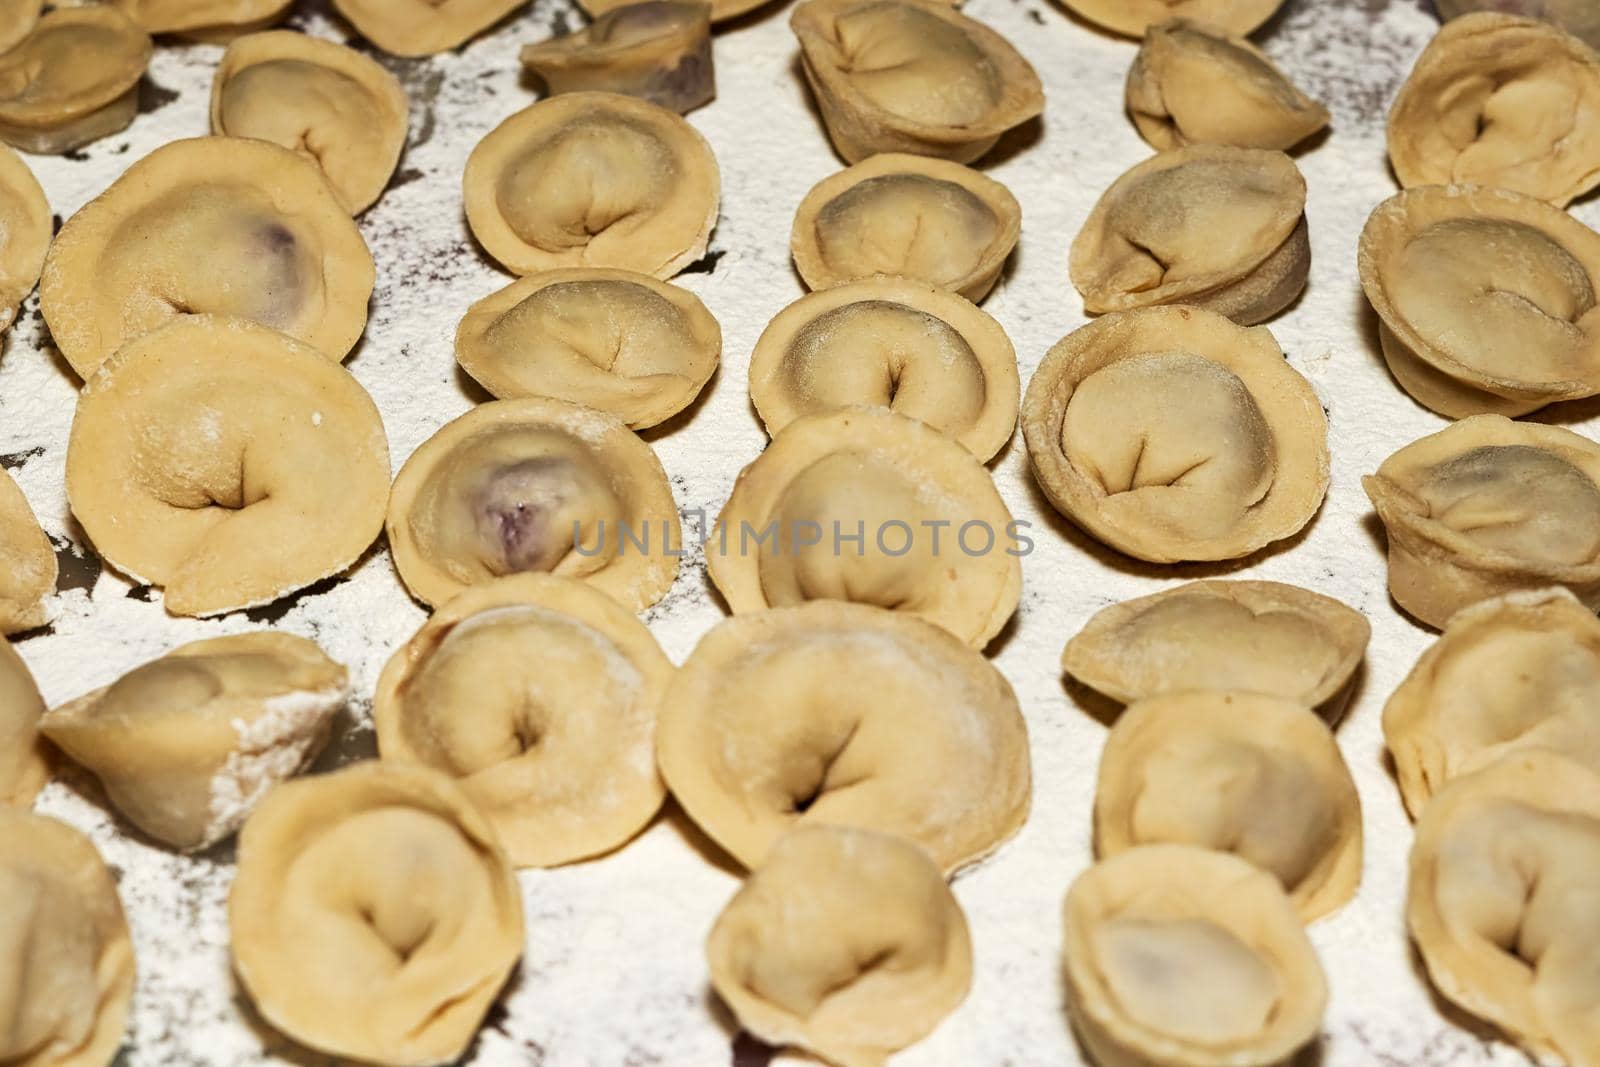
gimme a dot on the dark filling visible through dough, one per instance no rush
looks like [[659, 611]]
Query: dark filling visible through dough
[[524, 514]]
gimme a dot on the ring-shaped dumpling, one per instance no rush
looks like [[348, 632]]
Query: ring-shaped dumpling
[[72, 80], [204, 20], [539, 696], [848, 715], [1173, 434], [658, 50], [535, 485], [226, 462], [613, 340], [24, 767], [891, 343], [1134, 18], [415, 28], [28, 567], [593, 180], [208, 226], [25, 231]]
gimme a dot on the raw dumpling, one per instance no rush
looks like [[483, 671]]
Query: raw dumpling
[[846, 943], [926, 220], [613, 340], [1486, 299], [1255, 775], [1264, 637], [843, 714], [1488, 506], [1135, 18], [1193, 83], [1509, 674], [188, 744], [24, 767], [539, 696], [1181, 955], [226, 462], [659, 50], [1505, 869], [534, 485], [208, 226], [912, 76], [204, 19], [872, 507], [25, 228], [1211, 226], [69, 960], [1503, 101], [1172, 434], [593, 180], [890, 343], [72, 80], [1581, 18], [332, 105], [423, 27], [374, 915], [17, 19], [27, 562]]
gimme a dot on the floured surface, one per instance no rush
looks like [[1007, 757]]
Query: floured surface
[[615, 972]]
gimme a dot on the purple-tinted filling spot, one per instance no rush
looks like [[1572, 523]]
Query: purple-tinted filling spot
[[521, 514]]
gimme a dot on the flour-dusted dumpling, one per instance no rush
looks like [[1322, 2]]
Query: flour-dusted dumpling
[[1213, 226], [188, 744], [17, 19], [1182, 955], [912, 76], [1135, 18], [423, 27], [226, 462], [72, 80], [1172, 434], [25, 229], [24, 767], [535, 485], [844, 714], [659, 50], [332, 105], [906, 216], [208, 20], [846, 943], [208, 226], [612, 340], [1502, 101], [1488, 506], [1264, 637], [890, 343], [593, 180], [27, 562], [539, 696], [69, 970], [1256, 775], [1193, 83], [869, 506], [1505, 870], [1487, 299], [374, 914]]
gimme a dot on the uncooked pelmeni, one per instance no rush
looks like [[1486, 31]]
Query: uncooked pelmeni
[[846, 943], [25, 230], [423, 27], [210, 20], [539, 696], [72, 80], [658, 50], [1135, 18], [842, 714], [24, 765], [28, 567]]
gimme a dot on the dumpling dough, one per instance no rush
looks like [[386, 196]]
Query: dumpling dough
[[1503, 101], [1504, 872], [1486, 299], [24, 767], [843, 714], [872, 507], [17, 19], [374, 915], [535, 485], [846, 943], [1211, 226], [1176, 954], [226, 462], [27, 562], [1488, 506], [721, 10], [69, 960], [204, 19], [912, 76], [332, 105], [539, 696], [658, 50], [593, 180], [188, 744], [1509, 674], [901, 345], [423, 27], [25, 227], [613, 340], [1172, 434], [1581, 18], [1193, 83], [1255, 775], [208, 226], [72, 80], [1135, 18], [906, 216], [1264, 637]]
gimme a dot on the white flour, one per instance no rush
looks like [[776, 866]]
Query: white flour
[[614, 973]]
